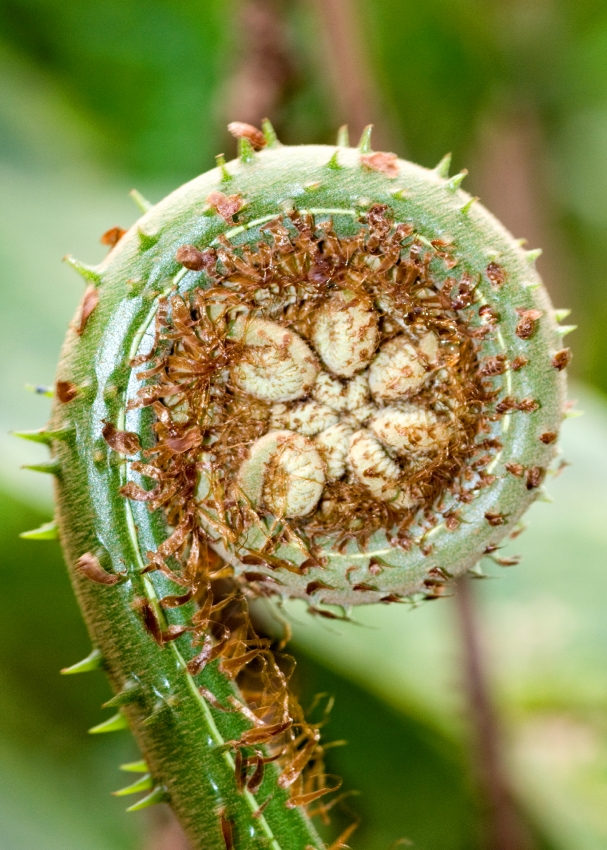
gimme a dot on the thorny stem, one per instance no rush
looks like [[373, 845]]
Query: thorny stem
[[504, 829], [106, 537]]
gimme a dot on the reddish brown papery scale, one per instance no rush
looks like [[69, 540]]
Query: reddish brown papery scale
[[240, 130], [66, 391], [112, 236], [89, 303], [562, 359]]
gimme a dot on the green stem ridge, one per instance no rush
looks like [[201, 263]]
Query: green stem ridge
[[184, 739]]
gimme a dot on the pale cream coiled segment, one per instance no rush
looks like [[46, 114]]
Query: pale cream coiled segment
[[355, 422], [308, 417], [333, 445], [374, 468], [400, 369], [358, 399], [346, 333], [283, 473], [352, 397], [410, 429], [275, 365], [330, 391]]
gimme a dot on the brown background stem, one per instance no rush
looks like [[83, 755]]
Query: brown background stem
[[503, 826]]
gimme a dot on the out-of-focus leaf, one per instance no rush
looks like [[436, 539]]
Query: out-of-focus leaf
[[412, 779], [436, 63], [144, 73], [546, 635], [54, 780], [47, 805], [55, 200]]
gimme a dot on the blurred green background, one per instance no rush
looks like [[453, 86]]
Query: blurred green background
[[97, 98]]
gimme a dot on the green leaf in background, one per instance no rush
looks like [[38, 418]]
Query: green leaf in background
[[119, 67], [53, 779], [546, 636], [412, 779]]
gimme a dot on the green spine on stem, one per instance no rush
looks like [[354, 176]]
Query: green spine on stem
[[414, 376]]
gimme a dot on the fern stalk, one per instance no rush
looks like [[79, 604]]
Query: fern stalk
[[192, 748]]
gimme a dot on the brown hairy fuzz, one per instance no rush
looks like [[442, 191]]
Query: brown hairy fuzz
[[214, 407]]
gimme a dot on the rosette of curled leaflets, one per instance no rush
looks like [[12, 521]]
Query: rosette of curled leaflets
[[317, 372]]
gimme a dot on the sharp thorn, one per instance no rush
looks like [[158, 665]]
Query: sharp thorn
[[89, 273], [533, 255], [48, 467], [135, 767], [130, 692], [43, 435], [333, 163], [143, 203], [221, 165], [39, 390], [269, 133], [48, 531], [399, 194], [40, 436], [343, 137], [442, 169], [61, 434], [559, 315], [246, 153], [158, 795], [134, 286], [160, 707], [113, 724], [456, 181], [364, 145], [143, 784], [563, 330], [91, 662], [468, 205], [147, 240]]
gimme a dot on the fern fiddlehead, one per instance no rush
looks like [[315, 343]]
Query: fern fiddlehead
[[316, 372]]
